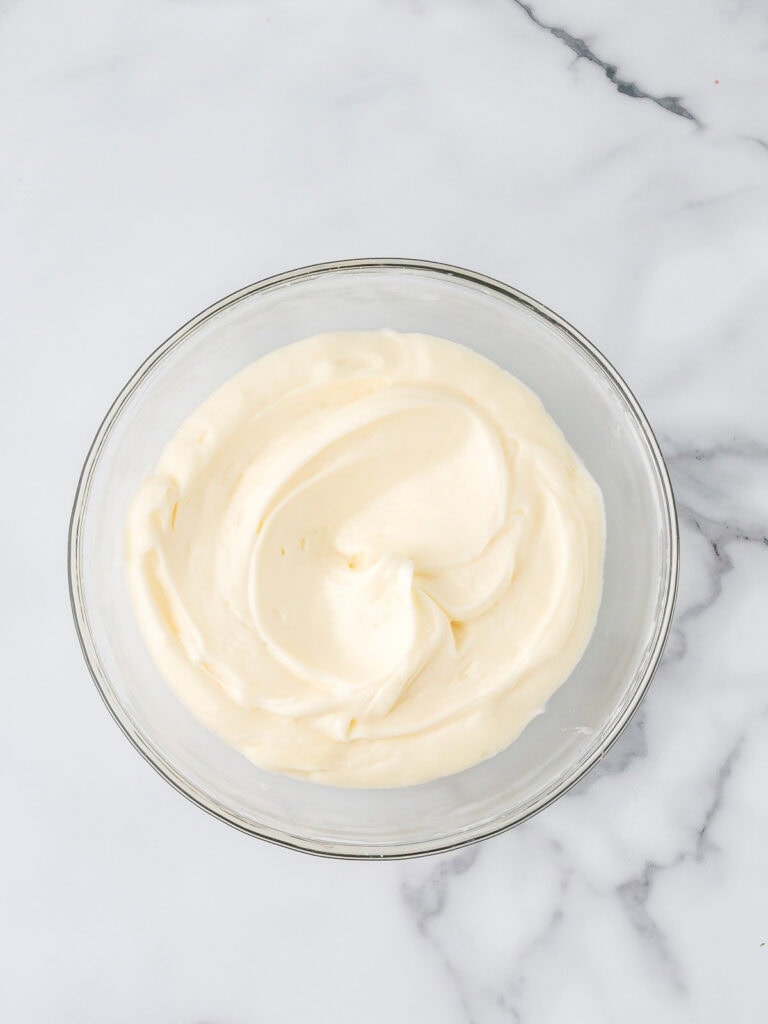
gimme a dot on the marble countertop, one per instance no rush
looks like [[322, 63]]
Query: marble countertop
[[608, 158]]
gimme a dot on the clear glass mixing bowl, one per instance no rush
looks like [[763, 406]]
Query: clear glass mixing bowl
[[598, 415]]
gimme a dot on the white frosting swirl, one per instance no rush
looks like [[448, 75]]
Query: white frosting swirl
[[368, 559]]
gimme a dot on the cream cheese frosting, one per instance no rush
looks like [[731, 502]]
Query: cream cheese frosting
[[368, 559]]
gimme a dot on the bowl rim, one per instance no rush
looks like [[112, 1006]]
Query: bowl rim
[[347, 850]]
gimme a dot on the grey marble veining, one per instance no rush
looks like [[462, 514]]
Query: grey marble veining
[[610, 159], [583, 51]]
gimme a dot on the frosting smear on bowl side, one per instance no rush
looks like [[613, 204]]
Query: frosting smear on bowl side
[[368, 559]]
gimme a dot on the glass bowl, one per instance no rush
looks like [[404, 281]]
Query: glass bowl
[[601, 420]]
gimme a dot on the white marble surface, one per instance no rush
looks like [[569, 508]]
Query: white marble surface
[[610, 158]]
